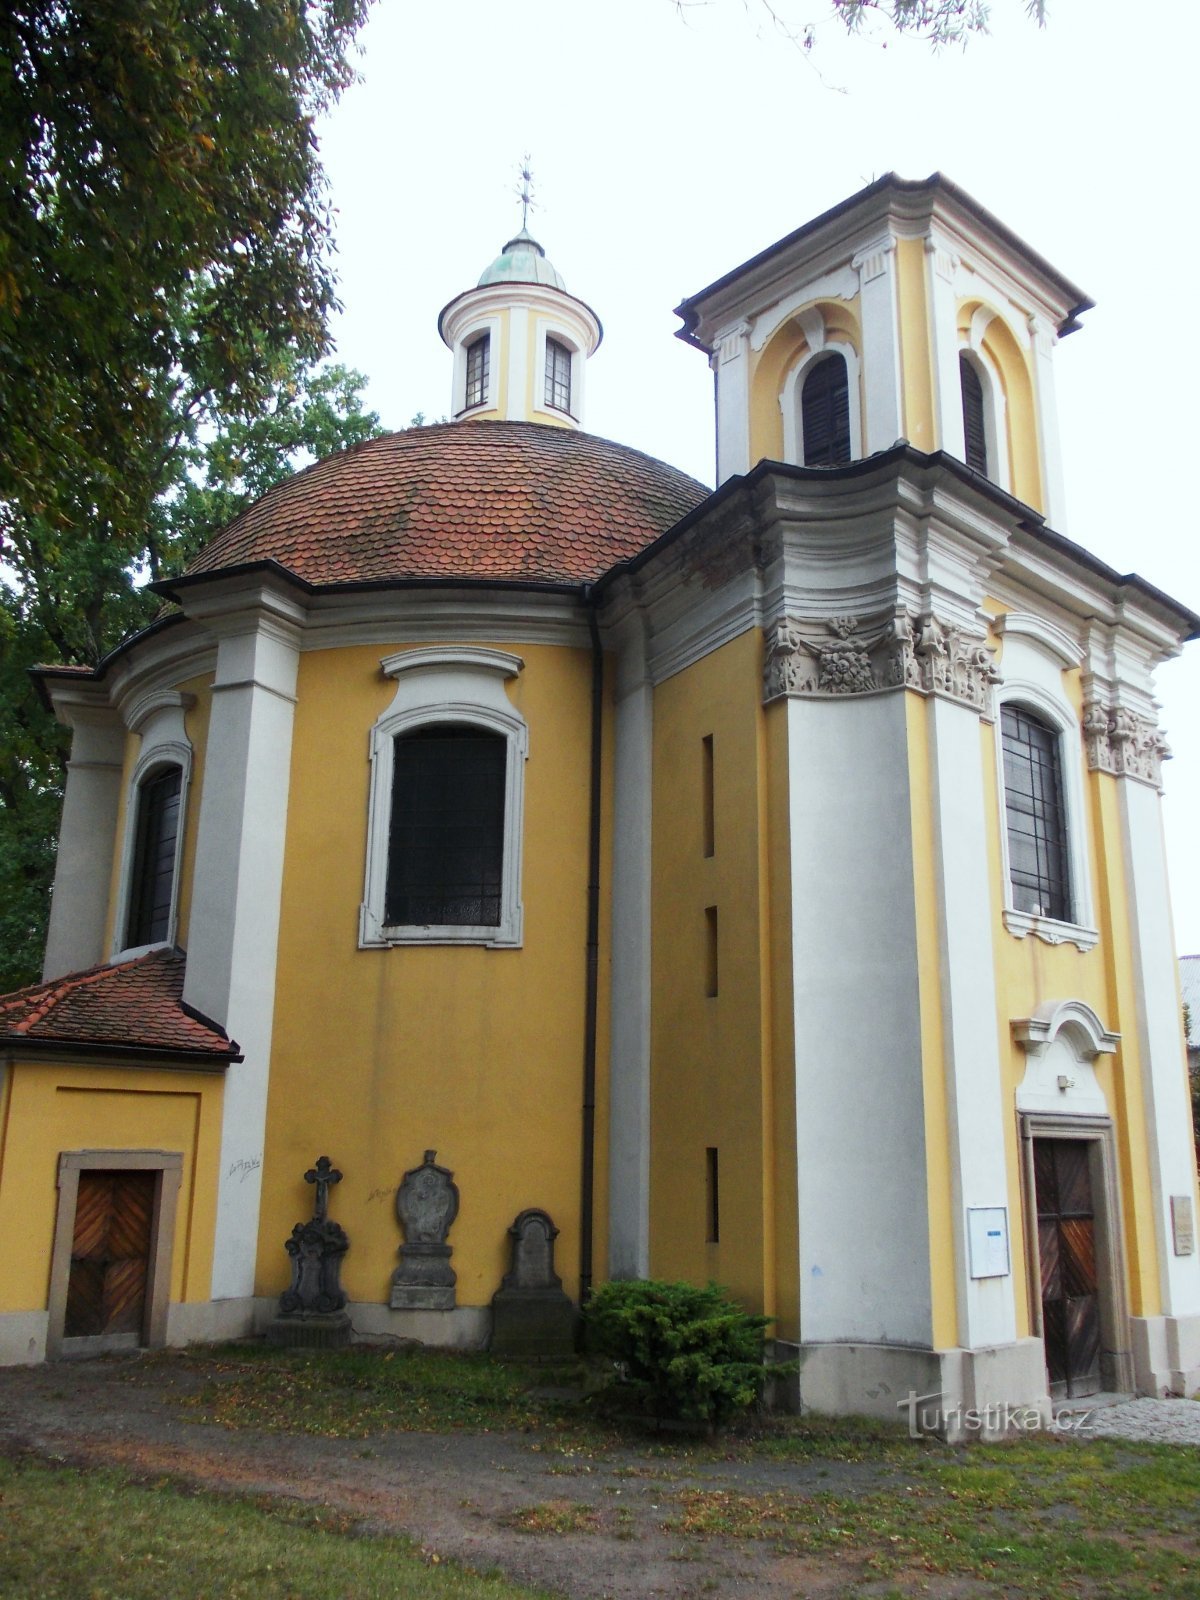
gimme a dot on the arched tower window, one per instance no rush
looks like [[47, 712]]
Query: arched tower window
[[825, 412], [558, 375], [152, 885], [1038, 851], [974, 415]]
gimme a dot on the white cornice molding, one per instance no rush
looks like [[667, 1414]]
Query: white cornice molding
[[442, 658], [150, 704], [1041, 631], [1088, 1035]]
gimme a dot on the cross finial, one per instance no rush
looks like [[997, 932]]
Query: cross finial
[[525, 192], [324, 1175]]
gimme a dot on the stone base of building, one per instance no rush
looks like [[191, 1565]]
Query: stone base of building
[[954, 1394], [1166, 1355], [23, 1338]]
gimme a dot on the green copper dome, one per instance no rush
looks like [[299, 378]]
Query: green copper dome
[[522, 261]]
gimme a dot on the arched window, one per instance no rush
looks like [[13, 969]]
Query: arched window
[[558, 375], [152, 883], [446, 838], [825, 412], [1038, 853], [478, 360], [974, 415]]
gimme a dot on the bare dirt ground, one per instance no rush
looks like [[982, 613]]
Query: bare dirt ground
[[580, 1524]]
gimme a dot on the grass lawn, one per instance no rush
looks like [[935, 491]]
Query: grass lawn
[[1037, 1516], [70, 1535]]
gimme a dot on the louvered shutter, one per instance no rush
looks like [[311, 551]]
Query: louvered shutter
[[973, 418], [825, 413]]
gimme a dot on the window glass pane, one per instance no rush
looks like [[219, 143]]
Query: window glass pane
[[478, 360], [153, 878], [446, 839], [558, 375], [1037, 835], [825, 412]]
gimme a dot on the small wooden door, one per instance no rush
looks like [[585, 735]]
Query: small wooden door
[[1067, 1249], [110, 1253]]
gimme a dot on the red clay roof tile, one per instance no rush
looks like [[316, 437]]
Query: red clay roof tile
[[510, 501], [136, 1004]]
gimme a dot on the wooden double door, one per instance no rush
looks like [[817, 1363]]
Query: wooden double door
[[110, 1253], [1067, 1245]]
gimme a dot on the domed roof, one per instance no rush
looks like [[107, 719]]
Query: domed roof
[[501, 501], [522, 261]]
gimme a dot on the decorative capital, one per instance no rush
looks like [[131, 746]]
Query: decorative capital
[[873, 261], [731, 342], [1124, 743], [902, 651]]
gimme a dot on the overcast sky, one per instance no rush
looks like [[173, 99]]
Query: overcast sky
[[667, 149]]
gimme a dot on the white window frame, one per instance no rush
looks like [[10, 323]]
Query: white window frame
[[476, 330], [445, 684], [793, 388], [1035, 654], [159, 719], [548, 329]]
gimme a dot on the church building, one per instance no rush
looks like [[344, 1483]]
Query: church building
[[767, 883]]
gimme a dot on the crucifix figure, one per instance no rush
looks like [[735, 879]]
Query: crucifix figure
[[324, 1175]]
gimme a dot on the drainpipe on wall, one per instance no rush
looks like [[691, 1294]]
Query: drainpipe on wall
[[591, 1001]]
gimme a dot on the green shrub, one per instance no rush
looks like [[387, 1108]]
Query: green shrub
[[682, 1352]]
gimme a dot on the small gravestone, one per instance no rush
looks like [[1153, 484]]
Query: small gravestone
[[312, 1311], [426, 1204], [531, 1316]]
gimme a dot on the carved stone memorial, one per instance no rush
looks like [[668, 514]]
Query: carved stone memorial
[[426, 1204], [312, 1310], [531, 1316]]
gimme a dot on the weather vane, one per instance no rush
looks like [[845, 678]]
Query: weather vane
[[525, 192]]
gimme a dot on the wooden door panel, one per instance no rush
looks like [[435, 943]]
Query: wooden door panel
[[110, 1253], [1067, 1251]]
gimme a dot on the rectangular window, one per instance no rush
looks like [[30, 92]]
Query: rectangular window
[[706, 779], [446, 841], [558, 375], [712, 1197], [1037, 834], [478, 360], [710, 952]]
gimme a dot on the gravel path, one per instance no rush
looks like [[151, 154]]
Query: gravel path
[[1160, 1421]]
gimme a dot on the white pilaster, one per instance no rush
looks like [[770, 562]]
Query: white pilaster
[[975, 1102], [87, 837], [629, 1076], [941, 266], [731, 369], [1159, 1029], [234, 926], [1044, 339], [860, 1128], [881, 344]]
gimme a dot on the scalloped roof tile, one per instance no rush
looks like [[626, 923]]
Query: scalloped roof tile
[[507, 501], [135, 1004]]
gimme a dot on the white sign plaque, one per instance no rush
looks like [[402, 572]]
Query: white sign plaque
[[1183, 1224], [987, 1237]]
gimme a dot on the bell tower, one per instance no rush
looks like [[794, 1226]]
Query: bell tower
[[905, 312]]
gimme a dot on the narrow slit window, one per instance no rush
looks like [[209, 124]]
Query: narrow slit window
[[974, 415], [712, 1197], [478, 362], [558, 375], [710, 951], [152, 885], [706, 795]]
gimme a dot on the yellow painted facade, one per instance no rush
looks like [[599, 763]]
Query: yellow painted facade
[[88, 1107], [477, 1052]]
